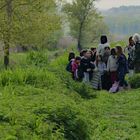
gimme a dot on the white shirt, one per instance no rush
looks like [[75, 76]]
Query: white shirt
[[101, 48], [112, 64]]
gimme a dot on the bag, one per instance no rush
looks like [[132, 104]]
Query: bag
[[114, 88], [69, 67]]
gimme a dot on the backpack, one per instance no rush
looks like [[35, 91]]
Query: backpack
[[69, 67]]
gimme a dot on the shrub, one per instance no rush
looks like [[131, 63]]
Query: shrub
[[67, 120], [38, 58], [135, 81]]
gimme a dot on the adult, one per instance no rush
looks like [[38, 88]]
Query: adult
[[103, 44], [136, 39], [130, 50], [122, 67]]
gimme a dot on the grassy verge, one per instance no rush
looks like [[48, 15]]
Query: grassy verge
[[39, 101]]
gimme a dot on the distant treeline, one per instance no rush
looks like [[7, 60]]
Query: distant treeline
[[123, 20]]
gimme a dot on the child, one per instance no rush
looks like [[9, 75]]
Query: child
[[69, 65], [112, 66], [93, 57], [98, 74], [87, 66], [71, 56], [103, 69], [106, 55], [122, 69], [75, 65]]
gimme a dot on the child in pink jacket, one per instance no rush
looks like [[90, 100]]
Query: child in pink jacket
[[75, 65]]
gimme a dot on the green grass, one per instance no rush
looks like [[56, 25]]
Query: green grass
[[40, 101]]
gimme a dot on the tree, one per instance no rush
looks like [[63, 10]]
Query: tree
[[81, 14], [27, 22]]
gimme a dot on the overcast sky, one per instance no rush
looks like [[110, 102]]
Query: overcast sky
[[107, 4]]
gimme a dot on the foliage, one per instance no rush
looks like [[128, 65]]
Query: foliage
[[85, 22], [37, 58], [42, 103], [29, 23], [135, 81]]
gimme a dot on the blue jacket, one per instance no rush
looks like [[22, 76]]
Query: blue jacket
[[122, 64]]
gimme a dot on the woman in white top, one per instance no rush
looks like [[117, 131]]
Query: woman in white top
[[103, 44], [112, 66]]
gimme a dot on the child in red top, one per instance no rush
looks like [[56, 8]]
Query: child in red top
[[75, 65]]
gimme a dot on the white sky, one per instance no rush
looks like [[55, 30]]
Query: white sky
[[107, 4]]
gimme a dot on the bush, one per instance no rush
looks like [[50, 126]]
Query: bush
[[30, 76], [67, 120], [37, 58], [135, 81]]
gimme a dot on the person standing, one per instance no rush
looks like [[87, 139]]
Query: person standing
[[87, 66], [122, 69], [103, 44], [130, 50], [112, 66], [136, 39]]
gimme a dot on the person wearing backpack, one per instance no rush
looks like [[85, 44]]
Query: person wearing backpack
[[122, 69], [71, 58], [75, 65], [136, 39]]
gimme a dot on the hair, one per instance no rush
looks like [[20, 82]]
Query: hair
[[103, 39], [107, 48], [120, 51], [130, 38], [77, 58], [97, 61], [113, 51], [93, 49], [136, 38], [82, 52], [71, 56], [89, 51]]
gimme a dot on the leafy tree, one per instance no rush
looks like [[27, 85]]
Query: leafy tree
[[27, 22], [82, 15]]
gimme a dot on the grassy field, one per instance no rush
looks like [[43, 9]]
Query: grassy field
[[39, 101]]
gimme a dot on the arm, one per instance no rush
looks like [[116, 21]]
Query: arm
[[108, 65]]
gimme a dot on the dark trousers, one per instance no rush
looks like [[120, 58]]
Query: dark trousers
[[106, 81], [122, 80], [137, 68]]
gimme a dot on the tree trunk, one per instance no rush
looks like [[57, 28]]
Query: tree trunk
[[79, 46], [7, 37]]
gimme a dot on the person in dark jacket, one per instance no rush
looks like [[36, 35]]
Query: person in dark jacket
[[130, 50], [136, 39], [87, 66], [122, 67], [93, 56]]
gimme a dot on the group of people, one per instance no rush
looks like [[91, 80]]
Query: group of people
[[105, 67]]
